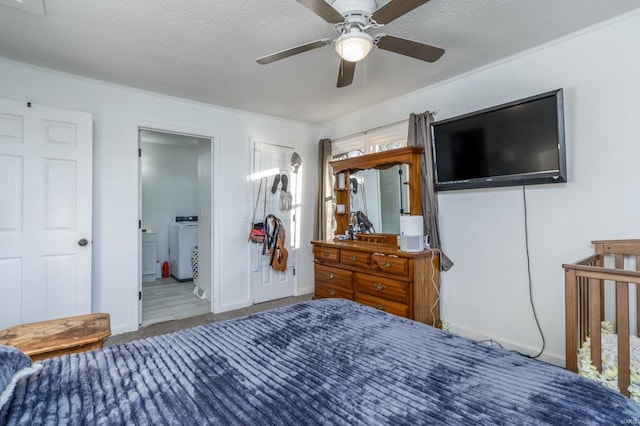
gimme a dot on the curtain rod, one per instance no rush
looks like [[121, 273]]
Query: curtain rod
[[364, 132]]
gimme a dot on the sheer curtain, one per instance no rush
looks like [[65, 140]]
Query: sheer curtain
[[420, 135], [322, 222]]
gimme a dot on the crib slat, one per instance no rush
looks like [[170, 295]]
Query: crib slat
[[600, 250], [622, 326], [571, 320], [583, 292], [594, 320]]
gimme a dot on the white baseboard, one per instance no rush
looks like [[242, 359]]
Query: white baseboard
[[303, 291], [119, 329], [472, 334], [234, 306]]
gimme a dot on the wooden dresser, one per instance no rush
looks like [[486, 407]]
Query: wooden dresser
[[380, 276]]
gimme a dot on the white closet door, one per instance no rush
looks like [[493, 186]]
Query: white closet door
[[45, 213], [268, 161]]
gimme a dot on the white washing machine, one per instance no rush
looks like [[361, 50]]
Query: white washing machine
[[183, 236]]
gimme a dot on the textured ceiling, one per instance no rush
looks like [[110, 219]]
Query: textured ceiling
[[205, 50]]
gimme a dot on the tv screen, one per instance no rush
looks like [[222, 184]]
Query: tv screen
[[518, 143]]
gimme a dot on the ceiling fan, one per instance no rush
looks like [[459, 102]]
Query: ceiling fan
[[352, 19]]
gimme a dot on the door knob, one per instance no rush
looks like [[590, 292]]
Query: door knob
[[83, 242]]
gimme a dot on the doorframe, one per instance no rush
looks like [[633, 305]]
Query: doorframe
[[136, 203]]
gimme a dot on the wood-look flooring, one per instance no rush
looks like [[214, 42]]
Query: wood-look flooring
[[175, 325], [167, 299]]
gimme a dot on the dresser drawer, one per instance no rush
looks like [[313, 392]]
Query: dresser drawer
[[384, 288], [333, 276], [389, 306], [355, 258], [327, 290], [391, 264], [326, 254]]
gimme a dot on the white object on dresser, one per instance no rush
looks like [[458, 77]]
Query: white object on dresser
[[411, 233]]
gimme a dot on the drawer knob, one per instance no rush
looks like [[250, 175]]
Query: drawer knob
[[332, 292], [354, 258], [386, 264], [331, 275], [379, 286], [379, 306], [326, 254]]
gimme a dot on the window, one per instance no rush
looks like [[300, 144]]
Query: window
[[377, 140]]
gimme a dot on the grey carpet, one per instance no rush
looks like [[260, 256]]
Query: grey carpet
[[175, 325]]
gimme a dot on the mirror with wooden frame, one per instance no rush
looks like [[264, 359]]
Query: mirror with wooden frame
[[407, 159]]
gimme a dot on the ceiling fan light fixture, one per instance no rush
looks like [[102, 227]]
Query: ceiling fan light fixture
[[354, 46]]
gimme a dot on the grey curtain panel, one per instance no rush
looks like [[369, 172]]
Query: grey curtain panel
[[420, 135], [324, 195]]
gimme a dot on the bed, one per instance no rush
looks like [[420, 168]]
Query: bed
[[327, 361], [601, 315]]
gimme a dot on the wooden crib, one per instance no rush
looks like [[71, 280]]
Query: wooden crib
[[585, 283]]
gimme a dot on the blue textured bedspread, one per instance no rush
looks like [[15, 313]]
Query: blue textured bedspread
[[322, 362]]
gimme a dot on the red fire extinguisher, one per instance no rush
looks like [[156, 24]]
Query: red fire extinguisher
[[165, 269]]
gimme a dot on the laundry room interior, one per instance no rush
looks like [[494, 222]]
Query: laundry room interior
[[175, 200]]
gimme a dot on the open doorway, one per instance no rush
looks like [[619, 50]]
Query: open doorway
[[175, 225]]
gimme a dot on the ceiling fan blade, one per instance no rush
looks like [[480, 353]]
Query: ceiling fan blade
[[411, 48], [323, 10], [345, 74], [394, 9], [293, 51]]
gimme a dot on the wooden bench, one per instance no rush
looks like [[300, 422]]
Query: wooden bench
[[46, 339]]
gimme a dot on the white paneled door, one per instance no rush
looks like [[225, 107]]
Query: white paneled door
[[269, 161], [45, 212]]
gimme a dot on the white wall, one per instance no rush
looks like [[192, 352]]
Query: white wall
[[486, 293], [117, 111], [169, 188], [205, 205]]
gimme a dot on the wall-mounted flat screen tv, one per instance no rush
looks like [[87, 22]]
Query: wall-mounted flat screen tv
[[518, 143]]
